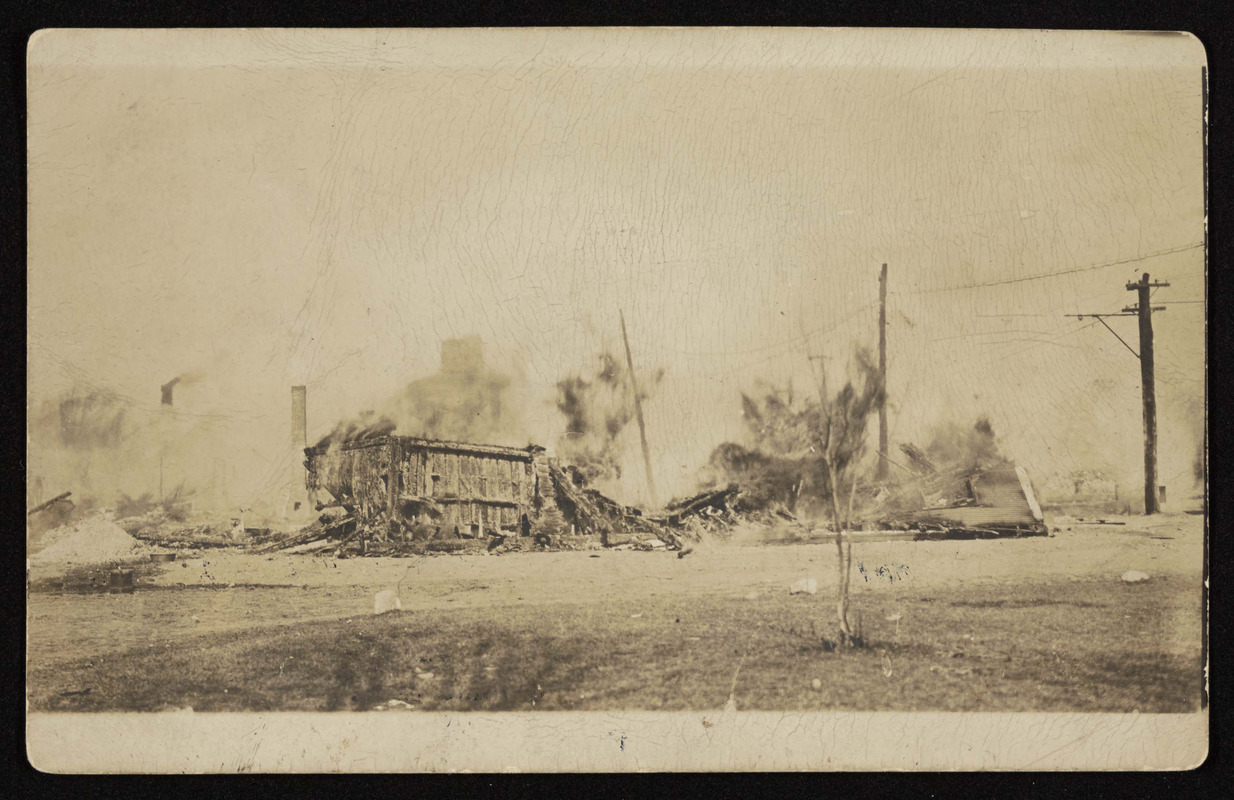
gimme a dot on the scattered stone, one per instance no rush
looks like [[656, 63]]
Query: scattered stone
[[387, 600], [816, 685], [804, 586], [393, 704], [1134, 576]]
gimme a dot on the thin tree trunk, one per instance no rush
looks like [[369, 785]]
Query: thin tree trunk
[[842, 590], [848, 559]]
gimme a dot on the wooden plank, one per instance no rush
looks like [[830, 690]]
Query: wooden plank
[[58, 498], [393, 473], [451, 465], [436, 475], [466, 466]]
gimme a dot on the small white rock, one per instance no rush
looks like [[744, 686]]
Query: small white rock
[[1134, 576], [386, 600], [816, 684]]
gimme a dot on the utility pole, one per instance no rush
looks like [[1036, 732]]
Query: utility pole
[[881, 468], [1147, 388], [166, 409], [1143, 310], [638, 411]]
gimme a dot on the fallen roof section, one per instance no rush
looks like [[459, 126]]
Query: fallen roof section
[[999, 501]]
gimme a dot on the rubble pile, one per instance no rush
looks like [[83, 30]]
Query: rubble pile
[[94, 540], [157, 526], [720, 511], [958, 501], [592, 513]]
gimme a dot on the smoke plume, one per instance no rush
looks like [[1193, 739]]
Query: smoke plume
[[955, 445], [597, 409], [465, 401], [105, 447]]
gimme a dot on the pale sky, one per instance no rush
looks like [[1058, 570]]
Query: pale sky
[[274, 208]]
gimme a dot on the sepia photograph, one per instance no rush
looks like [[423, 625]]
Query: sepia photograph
[[616, 399]]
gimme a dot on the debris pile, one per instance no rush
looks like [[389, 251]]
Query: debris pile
[[158, 526], [959, 501], [714, 512], [720, 512], [592, 513], [94, 540]]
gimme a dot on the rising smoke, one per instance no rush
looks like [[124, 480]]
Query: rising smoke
[[465, 401], [105, 447], [84, 420], [597, 408], [965, 447]]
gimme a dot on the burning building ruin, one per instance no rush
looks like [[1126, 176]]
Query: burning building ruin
[[400, 489], [412, 481]]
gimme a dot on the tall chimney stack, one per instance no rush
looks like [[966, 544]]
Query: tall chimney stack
[[299, 420], [297, 479]]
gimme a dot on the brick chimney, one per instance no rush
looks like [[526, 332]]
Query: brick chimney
[[298, 501]]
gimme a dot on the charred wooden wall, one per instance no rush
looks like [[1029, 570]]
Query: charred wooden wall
[[412, 479]]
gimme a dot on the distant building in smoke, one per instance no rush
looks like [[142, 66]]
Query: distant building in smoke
[[462, 356], [464, 401]]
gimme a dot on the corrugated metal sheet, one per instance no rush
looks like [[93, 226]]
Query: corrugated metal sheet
[[1002, 498]]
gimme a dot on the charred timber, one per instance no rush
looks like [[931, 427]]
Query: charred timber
[[43, 506]]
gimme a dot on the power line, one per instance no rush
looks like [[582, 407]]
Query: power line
[[1060, 272], [792, 340]]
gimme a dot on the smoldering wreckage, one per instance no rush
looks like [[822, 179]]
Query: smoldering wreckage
[[390, 494], [373, 492], [398, 496]]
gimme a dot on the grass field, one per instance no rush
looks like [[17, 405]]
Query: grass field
[[1094, 645], [1040, 624]]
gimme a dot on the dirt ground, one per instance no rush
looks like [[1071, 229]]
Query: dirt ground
[[209, 593]]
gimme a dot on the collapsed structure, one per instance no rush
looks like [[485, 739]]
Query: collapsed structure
[[395, 490], [404, 489], [996, 500], [414, 481]]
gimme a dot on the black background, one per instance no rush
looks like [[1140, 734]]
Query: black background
[[1206, 20]]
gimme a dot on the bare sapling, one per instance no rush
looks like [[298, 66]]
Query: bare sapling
[[842, 439]]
